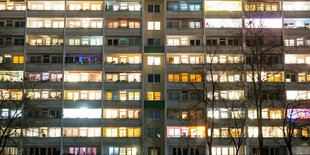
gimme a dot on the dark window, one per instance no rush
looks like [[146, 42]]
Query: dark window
[[150, 42], [19, 41], [171, 96], [197, 42], [157, 77], [1, 23], [115, 42], [236, 42], [8, 41], [150, 8], [1, 41], [153, 114], [184, 95], [150, 78], [157, 42], [222, 41], [110, 41], [46, 59], [150, 114], [152, 132], [19, 24], [131, 42], [157, 8], [192, 42], [177, 95], [9, 23], [157, 114], [23, 24], [137, 42], [16, 41], [211, 42]]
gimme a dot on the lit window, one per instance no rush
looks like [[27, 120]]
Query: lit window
[[223, 6], [152, 60], [154, 25], [18, 59], [184, 77]]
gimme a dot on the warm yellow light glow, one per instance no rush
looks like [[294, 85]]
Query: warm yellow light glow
[[223, 6]]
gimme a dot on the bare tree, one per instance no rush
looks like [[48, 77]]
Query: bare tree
[[292, 126], [237, 131], [263, 52], [14, 101], [208, 89]]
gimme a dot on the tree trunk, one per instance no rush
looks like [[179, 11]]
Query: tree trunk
[[289, 148], [237, 151], [260, 141], [209, 149]]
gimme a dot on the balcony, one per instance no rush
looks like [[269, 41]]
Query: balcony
[[223, 31], [44, 49], [297, 67], [154, 104], [84, 31], [46, 122], [123, 14], [12, 31], [11, 85], [121, 122], [40, 140], [122, 85], [154, 49], [43, 66], [83, 49], [122, 67], [185, 49], [182, 67], [12, 49], [12, 14], [46, 103], [305, 32], [81, 122], [184, 31], [299, 85], [81, 141], [12, 67], [122, 104], [45, 13], [296, 14], [83, 67], [184, 14], [82, 103], [122, 32], [45, 31], [184, 122], [82, 85], [123, 49], [296, 49], [265, 14], [46, 85], [122, 140], [223, 14], [84, 13], [183, 85]]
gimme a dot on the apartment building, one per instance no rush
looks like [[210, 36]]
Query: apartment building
[[111, 77]]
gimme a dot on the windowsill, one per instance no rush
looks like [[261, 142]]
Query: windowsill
[[124, 28], [120, 82], [123, 11], [45, 45], [123, 63]]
